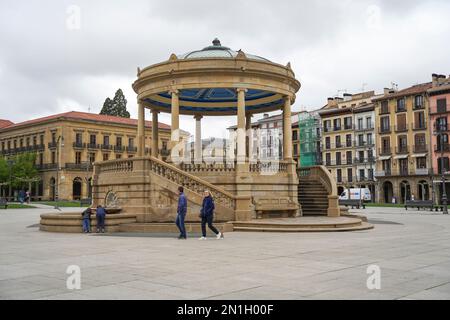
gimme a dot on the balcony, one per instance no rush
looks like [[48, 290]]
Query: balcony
[[439, 148], [337, 128], [326, 129], [385, 151], [131, 149], [46, 166], [52, 145], [119, 148], [348, 127], [418, 106], [107, 147], [364, 128], [79, 145], [364, 160], [401, 128], [85, 166], [93, 146], [383, 173], [384, 130], [420, 148], [401, 108], [422, 171], [402, 150], [419, 126]]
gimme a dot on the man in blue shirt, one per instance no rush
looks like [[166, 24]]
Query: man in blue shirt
[[181, 213]]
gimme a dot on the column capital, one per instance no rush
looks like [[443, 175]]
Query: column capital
[[198, 116], [155, 111], [241, 89], [287, 98], [174, 91]]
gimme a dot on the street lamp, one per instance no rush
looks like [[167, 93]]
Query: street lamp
[[58, 141], [444, 192]]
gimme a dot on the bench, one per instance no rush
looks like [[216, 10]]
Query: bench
[[86, 201], [353, 203], [281, 206], [420, 204], [3, 203]]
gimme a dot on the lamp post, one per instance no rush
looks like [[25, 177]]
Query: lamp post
[[58, 141]]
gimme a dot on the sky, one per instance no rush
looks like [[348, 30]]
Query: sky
[[58, 56]]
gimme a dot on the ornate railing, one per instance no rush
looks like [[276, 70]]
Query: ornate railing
[[191, 182], [204, 167], [268, 166], [116, 166]]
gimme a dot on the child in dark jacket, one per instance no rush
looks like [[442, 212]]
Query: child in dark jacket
[[100, 215], [86, 214]]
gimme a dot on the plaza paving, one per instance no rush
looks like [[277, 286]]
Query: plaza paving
[[412, 249]]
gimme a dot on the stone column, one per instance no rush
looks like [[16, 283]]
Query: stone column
[[175, 113], [155, 138], [249, 136], [198, 140], [241, 125], [287, 129], [141, 130]]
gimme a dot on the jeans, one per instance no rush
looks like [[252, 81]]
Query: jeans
[[180, 224], [100, 221], [208, 220], [86, 225]]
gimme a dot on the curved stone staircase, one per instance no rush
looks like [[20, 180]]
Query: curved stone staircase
[[313, 198]]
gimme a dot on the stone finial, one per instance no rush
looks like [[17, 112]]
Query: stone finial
[[138, 71], [289, 66], [241, 55], [173, 57]]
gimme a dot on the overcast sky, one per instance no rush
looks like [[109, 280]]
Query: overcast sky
[[52, 61]]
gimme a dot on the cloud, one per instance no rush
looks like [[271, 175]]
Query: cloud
[[47, 65]]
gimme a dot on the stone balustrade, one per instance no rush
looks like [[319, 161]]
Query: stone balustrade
[[269, 167]]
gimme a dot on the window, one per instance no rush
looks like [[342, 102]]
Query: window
[[348, 123], [15, 144], [92, 157], [77, 157], [360, 140], [93, 139], [348, 140], [28, 141], [360, 124], [441, 124], [337, 139], [326, 125], [164, 145], [350, 174], [369, 123], [119, 141], [106, 140], [295, 149], [339, 175], [370, 154], [421, 163], [21, 143], [41, 159], [78, 138], [105, 156], [34, 141], [328, 159], [338, 158], [419, 120], [9, 145], [337, 124], [327, 143], [402, 144], [3, 146], [385, 145], [384, 107], [445, 162], [361, 174], [53, 157], [385, 125], [386, 165], [361, 156], [370, 174], [41, 138], [401, 122], [441, 105], [54, 137], [131, 142], [403, 165], [294, 135], [349, 156], [418, 102], [118, 156], [401, 105]]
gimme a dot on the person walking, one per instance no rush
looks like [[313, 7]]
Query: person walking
[[28, 196], [207, 215], [181, 213], [86, 216], [100, 214]]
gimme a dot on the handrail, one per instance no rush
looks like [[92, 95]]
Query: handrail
[[323, 175]]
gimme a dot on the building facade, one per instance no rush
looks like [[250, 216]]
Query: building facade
[[348, 140], [402, 124], [439, 99], [68, 144]]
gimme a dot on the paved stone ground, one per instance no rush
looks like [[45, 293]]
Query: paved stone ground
[[412, 249]]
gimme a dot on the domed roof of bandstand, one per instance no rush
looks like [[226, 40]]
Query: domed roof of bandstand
[[206, 82]]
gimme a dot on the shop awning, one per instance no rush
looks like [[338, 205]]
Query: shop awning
[[384, 157], [403, 156], [419, 155]]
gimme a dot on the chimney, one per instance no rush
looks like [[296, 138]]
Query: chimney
[[266, 115], [434, 80], [347, 97]]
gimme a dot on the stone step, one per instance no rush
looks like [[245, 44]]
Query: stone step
[[363, 226], [165, 227]]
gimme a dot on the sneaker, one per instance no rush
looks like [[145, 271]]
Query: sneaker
[[219, 235], [202, 238]]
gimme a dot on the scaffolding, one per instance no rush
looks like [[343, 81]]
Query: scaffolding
[[309, 134]]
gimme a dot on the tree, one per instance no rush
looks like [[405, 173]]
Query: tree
[[4, 171], [116, 107], [24, 170]]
